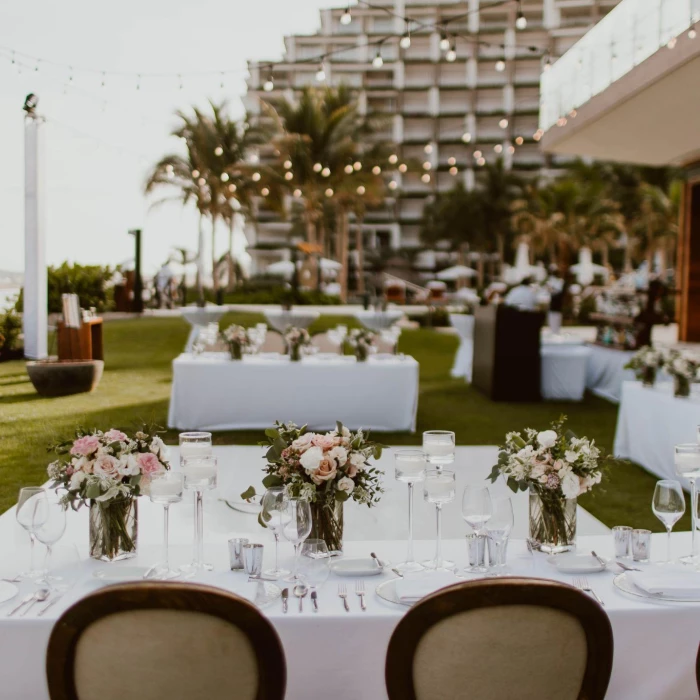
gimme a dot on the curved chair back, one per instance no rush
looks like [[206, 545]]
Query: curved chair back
[[148, 641], [497, 639], [273, 342]]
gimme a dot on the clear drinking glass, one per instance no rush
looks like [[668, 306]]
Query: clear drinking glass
[[314, 563], [498, 528], [668, 505], [476, 511], [439, 488], [275, 514], [200, 476], [297, 529], [166, 489], [196, 444], [439, 447], [50, 532], [687, 464], [410, 469], [32, 511]]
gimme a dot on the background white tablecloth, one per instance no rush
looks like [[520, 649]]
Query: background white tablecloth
[[563, 371], [212, 392], [199, 317], [464, 325], [378, 320], [650, 422], [279, 319], [605, 371]]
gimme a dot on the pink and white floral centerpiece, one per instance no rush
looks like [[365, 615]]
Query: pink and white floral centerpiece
[[108, 471]]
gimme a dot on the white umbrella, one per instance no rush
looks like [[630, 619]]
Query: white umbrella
[[456, 273], [328, 265], [281, 267]]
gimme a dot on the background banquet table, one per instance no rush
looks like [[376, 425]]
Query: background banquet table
[[563, 371], [200, 317], [605, 372], [211, 391], [650, 422]]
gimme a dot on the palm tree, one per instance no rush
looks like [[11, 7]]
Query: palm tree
[[656, 225]]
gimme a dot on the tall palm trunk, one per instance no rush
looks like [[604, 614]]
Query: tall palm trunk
[[214, 261], [342, 233], [199, 282], [231, 264], [480, 271], [360, 246]]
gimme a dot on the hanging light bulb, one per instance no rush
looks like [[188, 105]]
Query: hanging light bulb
[[195, 173], [393, 184], [573, 113], [256, 177], [672, 42], [692, 34], [481, 161], [519, 140], [452, 161], [444, 42], [346, 17], [547, 62], [503, 123], [403, 168], [453, 170], [269, 84], [536, 136], [361, 189], [393, 159], [320, 74], [232, 188], [288, 175], [561, 121], [357, 165], [451, 55], [428, 148], [425, 177], [348, 169], [287, 164], [224, 177], [317, 167], [218, 151], [297, 193], [520, 20], [500, 66], [376, 170], [326, 172], [378, 61], [466, 137], [427, 165], [498, 148], [405, 41], [329, 192], [477, 154], [264, 191], [201, 182], [511, 149]]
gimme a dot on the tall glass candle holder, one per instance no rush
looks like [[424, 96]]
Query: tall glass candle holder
[[194, 444], [200, 476], [166, 490], [439, 488], [687, 465], [439, 447], [410, 469]]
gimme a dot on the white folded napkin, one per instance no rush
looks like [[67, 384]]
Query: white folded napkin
[[412, 588], [678, 584]]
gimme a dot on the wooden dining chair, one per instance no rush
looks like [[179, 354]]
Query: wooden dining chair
[[150, 641], [697, 669], [498, 639]]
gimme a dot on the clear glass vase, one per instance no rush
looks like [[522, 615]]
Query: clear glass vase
[[647, 376], [552, 522], [681, 386], [327, 524], [113, 529]]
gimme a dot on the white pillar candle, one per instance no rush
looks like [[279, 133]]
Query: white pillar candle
[[199, 471], [440, 488], [439, 448], [687, 463], [166, 487], [195, 449]]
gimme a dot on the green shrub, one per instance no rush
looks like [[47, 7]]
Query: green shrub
[[90, 282], [10, 329]]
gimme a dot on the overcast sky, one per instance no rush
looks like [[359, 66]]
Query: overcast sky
[[100, 140]]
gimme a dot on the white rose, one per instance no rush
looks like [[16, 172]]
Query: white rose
[[570, 485], [79, 464], [346, 484], [76, 480], [302, 443], [339, 454], [570, 456], [311, 459], [357, 459], [129, 465], [547, 438], [157, 447]]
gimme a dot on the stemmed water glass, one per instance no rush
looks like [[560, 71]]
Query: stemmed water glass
[[439, 488], [200, 476], [297, 529], [439, 447], [477, 509], [166, 489], [32, 512], [50, 532], [498, 528], [687, 464], [410, 469], [274, 513], [668, 505]]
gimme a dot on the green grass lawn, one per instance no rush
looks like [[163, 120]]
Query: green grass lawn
[[136, 388]]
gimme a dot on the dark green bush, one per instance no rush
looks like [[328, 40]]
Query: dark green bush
[[90, 282], [10, 329]]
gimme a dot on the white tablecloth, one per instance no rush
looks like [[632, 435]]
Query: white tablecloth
[[378, 320], [299, 318], [199, 317], [655, 644], [563, 371], [605, 371], [651, 421], [464, 325], [212, 392]]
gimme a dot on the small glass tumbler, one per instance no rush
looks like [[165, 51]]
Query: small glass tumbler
[[235, 551], [476, 553], [641, 545], [494, 559], [621, 540], [252, 559]]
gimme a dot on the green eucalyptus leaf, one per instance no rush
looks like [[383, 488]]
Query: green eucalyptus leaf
[[248, 493], [260, 521], [341, 496], [272, 480]]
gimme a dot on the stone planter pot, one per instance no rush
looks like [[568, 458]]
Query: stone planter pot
[[54, 378]]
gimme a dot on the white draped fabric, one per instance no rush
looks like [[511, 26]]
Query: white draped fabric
[[212, 392], [280, 319], [563, 371], [464, 325], [605, 372], [378, 320], [655, 644], [651, 421], [200, 317]]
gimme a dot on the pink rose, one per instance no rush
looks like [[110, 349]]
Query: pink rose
[[351, 470], [303, 442], [115, 435], [85, 445], [325, 442], [326, 471], [149, 463], [108, 466]]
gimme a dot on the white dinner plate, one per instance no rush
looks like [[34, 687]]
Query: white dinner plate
[[7, 591], [387, 591], [121, 573], [572, 563], [623, 583], [356, 567]]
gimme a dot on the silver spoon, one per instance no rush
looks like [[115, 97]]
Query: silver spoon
[[39, 597], [300, 590], [24, 601], [380, 563]]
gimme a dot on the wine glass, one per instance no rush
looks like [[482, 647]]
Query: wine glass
[[498, 528], [410, 469], [476, 511], [668, 505], [314, 563], [275, 514], [687, 464], [439, 488], [32, 511], [439, 447], [200, 476], [166, 489], [50, 532], [297, 529]]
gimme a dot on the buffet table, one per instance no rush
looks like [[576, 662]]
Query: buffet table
[[650, 422], [655, 644], [563, 371], [212, 392]]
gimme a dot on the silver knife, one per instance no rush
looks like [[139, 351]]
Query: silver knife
[[314, 598], [49, 604], [285, 597]]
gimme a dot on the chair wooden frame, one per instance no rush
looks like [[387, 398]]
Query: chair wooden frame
[[60, 659], [486, 593]]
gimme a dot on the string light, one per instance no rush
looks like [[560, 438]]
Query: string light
[[287, 164], [498, 148], [500, 66], [179, 79], [256, 177], [168, 168], [297, 193], [692, 34], [452, 161], [393, 184], [425, 178], [521, 21], [477, 154], [357, 165], [376, 170], [378, 61], [348, 169], [405, 40], [224, 177], [320, 74], [547, 62], [195, 173], [231, 188], [451, 55], [218, 151], [102, 84], [361, 189], [561, 121], [201, 182], [481, 161], [403, 168], [428, 148], [317, 167], [444, 42], [326, 172], [138, 82], [264, 191], [288, 175], [453, 170], [519, 140], [329, 192], [672, 42], [393, 159], [427, 165], [503, 123], [466, 137], [346, 17], [536, 136], [269, 84], [221, 82], [511, 149], [573, 113]]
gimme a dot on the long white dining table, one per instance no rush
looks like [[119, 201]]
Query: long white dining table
[[655, 643], [212, 392]]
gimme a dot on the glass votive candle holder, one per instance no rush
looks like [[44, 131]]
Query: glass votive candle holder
[[641, 545], [476, 553], [235, 550], [621, 540], [253, 559]]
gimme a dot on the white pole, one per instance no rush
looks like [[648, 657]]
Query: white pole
[[35, 295]]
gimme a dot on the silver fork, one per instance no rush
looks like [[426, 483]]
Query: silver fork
[[581, 582], [343, 593], [360, 591]]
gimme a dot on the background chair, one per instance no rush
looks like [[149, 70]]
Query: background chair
[[149, 641], [498, 639]]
